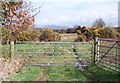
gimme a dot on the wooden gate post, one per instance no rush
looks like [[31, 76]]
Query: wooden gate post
[[95, 50], [12, 49]]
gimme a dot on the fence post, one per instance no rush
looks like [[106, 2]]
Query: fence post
[[98, 49], [53, 53], [12, 49], [94, 50], [117, 52]]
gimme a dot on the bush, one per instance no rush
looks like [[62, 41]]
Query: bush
[[49, 35], [84, 34], [109, 33], [24, 36], [28, 36], [87, 34]]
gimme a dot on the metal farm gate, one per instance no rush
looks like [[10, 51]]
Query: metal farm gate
[[109, 53], [56, 53]]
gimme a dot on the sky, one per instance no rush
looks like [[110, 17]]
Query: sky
[[76, 12]]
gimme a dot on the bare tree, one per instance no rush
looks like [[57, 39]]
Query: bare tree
[[99, 23]]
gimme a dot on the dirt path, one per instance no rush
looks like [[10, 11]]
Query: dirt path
[[41, 76]]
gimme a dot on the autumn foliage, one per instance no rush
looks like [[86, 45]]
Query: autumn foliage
[[17, 16]]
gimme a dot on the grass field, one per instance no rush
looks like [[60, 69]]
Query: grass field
[[93, 73]]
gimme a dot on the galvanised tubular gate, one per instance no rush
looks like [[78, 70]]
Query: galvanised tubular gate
[[56, 53], [109, 53], [103, 51]]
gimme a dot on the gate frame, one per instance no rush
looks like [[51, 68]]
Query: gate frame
[[71, 46], [100, 57]]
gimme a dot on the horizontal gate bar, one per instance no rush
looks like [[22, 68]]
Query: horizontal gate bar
[[52, 52], [25, 47], [104, 51], [106, 39], [111, 62], [60, 56], [112, 57], [24, 42], [55, 64], [108, 46]]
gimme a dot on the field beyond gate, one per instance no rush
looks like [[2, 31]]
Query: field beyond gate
[[55, 53]]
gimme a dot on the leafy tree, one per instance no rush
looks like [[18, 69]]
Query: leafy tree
[[78, 28]]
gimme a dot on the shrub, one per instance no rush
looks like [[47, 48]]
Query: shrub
[[49, 35], [23, 36], [28, 36], [109, 33], [84, 34], [87, 34]]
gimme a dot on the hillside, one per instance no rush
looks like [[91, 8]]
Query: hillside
[[55, 27]]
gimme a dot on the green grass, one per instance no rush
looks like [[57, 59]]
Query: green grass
[[67, 73], [96, 73], [64, 73], [93, 74], [30, 73]]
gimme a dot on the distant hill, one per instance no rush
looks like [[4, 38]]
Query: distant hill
[[55, 27]]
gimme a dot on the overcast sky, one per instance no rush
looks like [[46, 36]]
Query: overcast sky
[[76, 12]]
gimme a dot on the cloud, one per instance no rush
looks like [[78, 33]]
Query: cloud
[[45, 20], [78, 1], [76, 12]]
